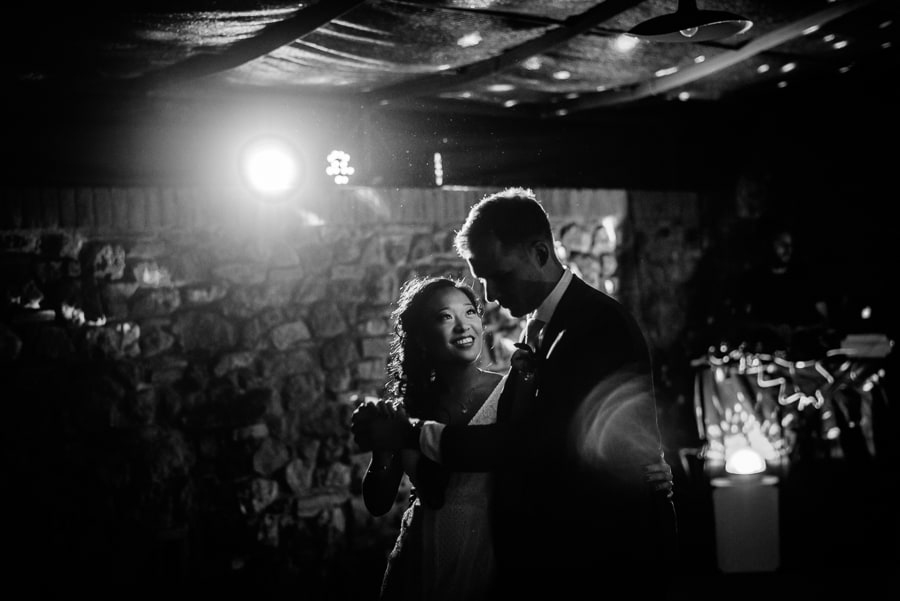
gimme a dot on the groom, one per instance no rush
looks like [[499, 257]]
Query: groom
[[576, 501]]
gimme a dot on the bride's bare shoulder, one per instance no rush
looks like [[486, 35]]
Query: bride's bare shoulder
[[489, 378]]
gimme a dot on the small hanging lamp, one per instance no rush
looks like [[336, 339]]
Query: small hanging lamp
[[690, 24]]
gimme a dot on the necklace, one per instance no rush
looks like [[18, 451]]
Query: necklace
[[454, 407]]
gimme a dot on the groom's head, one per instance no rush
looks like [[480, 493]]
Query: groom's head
[[508, 244]]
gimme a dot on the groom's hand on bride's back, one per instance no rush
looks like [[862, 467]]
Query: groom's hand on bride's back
[[660, 478]]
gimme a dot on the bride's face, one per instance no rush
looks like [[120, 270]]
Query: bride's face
[[453, 328]]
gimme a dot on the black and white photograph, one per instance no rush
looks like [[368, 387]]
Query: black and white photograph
[[463, 300]]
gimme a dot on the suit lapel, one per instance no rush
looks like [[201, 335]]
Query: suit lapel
[[563, 316], [554, 333]]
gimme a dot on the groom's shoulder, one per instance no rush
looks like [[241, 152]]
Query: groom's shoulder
[[584, 294]]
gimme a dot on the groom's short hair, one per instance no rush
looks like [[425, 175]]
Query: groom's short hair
[[512, 216]]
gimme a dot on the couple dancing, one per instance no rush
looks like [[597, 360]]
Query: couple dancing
[[547, 481]]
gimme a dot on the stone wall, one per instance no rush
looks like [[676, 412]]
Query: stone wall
[[180, 366]]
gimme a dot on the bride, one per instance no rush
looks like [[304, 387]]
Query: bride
[[444, 549]]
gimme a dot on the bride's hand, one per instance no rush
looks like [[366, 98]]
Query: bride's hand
[[376, 408], [365, 412], [397, 409], [389, 409], [363, 419]]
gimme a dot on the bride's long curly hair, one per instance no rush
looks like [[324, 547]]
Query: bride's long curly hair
[[410, 368]]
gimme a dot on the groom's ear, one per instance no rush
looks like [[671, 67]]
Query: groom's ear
[[541, 251]]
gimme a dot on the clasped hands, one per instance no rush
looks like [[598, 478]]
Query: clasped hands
[[380, 425]]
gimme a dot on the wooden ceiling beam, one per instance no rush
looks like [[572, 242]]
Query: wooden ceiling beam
[[454, 78], [713, 65], [272, 37]]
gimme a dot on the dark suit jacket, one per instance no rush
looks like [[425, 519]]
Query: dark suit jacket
[[570, 507]]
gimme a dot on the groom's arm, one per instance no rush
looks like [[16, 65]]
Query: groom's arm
[[482, 448], [463, 448], [472, 448]]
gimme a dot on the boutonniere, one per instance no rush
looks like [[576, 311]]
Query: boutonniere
[[524, 359]]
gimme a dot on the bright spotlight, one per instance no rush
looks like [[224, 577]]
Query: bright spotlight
[[745, 461], [271, 168]]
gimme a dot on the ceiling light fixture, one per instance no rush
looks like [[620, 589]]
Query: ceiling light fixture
[[690, 24]]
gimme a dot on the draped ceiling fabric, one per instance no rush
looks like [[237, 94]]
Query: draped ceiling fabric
[[528, 91], [541, 55]]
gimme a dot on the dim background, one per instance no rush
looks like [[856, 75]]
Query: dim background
[[180, 358]]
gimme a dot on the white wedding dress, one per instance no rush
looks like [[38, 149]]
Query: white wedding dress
[[457, 549]]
